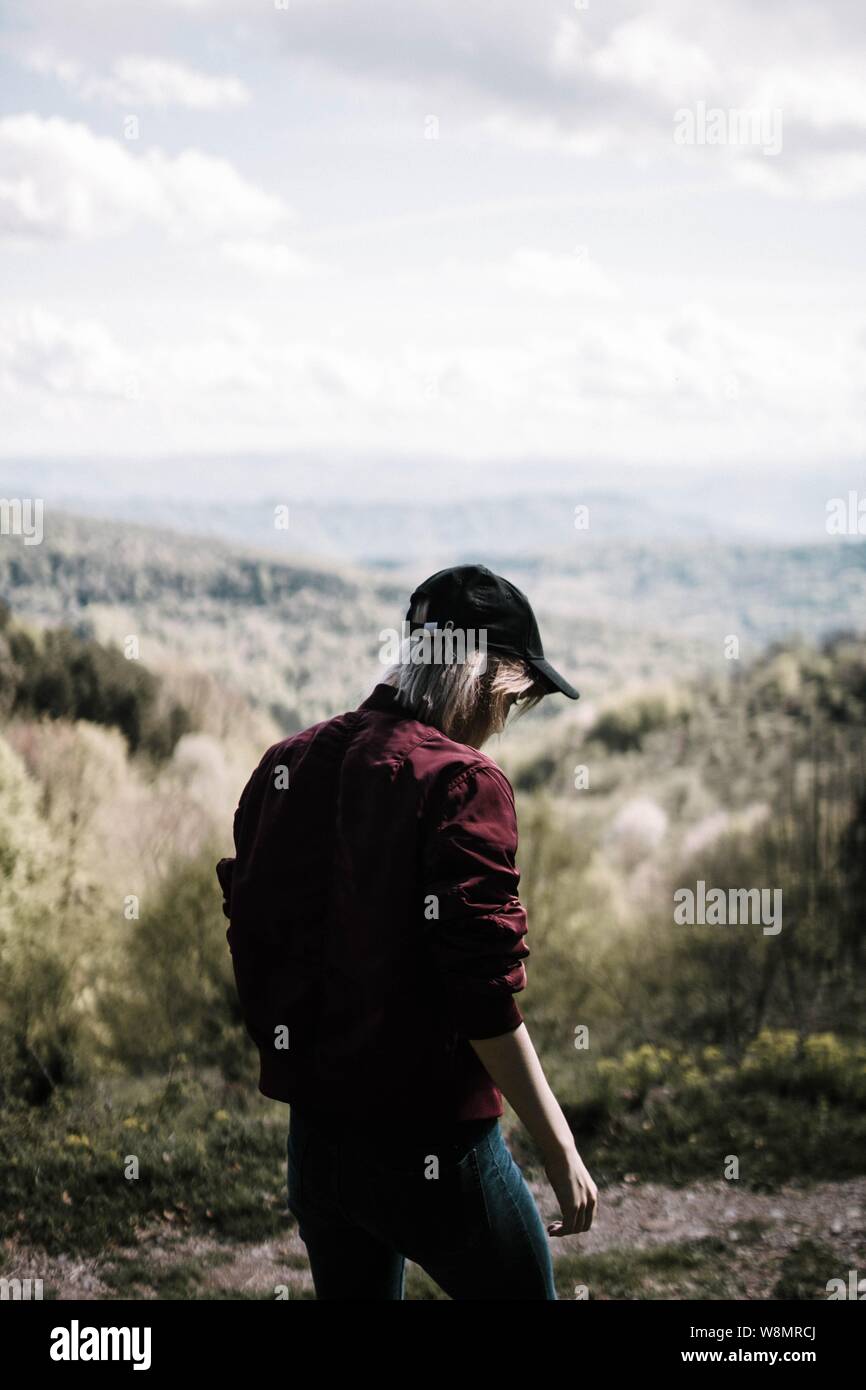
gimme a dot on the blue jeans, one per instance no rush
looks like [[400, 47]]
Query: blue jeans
[[364, 1205]]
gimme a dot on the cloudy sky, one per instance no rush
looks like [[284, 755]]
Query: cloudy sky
[[482, 231]]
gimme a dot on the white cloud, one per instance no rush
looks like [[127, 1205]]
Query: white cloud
[[58, 179], [464, 320], [821, 96], [139, 81], [543, 272], [585, 83], [208, 195], [41, 353], [530, 132], [270, 258], [644, 55], [614, 384], [816, 178], [216, 364], [591, 83]]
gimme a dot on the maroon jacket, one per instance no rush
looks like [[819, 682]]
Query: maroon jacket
[[374, 919]]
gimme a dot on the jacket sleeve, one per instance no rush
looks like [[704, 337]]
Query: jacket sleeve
[[225, 871], [225, 868], [470, 880]]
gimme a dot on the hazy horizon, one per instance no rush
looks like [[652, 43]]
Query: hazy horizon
[[337, 507]]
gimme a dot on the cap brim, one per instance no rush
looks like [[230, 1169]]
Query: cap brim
[[553, 678]]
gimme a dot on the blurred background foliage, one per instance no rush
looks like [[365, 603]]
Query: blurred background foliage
[[116, 779]]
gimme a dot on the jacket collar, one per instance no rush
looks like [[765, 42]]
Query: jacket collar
[[382, 697]]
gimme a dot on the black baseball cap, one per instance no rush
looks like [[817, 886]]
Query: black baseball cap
[[472, 596]]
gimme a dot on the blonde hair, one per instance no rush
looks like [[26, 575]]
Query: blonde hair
[[468, 700]]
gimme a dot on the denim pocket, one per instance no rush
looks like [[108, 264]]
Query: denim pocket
[[435, 1206]]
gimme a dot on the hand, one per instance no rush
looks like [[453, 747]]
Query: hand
[[575, 1190]]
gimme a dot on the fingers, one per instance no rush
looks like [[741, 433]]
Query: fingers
[[568, 1226], [576, 1221], [581, 1224], [590, 1209]]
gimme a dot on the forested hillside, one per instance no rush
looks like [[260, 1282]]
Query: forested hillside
[[670, 1046], [297, 639]]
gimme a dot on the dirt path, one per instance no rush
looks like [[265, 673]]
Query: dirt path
[[764, 1227]]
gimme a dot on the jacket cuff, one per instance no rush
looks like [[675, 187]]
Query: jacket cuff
[[488, 1017], [225, 873]]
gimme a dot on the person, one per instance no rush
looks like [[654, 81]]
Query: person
[[378, 941]]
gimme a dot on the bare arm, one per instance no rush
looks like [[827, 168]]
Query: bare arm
[[512, 1063], [477, 950]]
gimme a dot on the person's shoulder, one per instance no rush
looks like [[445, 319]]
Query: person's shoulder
[[449, 766], [294, 744]]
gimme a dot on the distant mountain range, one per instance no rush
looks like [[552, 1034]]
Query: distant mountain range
[[387, 512], [299, 636], [391, 533]]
